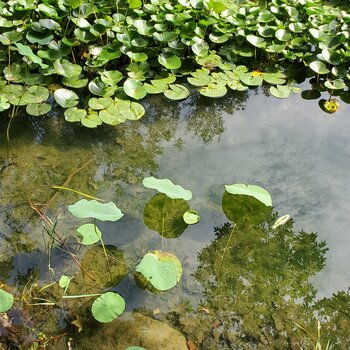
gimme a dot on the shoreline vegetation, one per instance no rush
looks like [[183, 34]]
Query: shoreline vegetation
[[97, 59]]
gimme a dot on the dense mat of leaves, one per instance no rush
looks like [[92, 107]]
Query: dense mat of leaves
[[120, 51]]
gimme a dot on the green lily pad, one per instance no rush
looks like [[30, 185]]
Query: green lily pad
[[92, 120], [169, 61], [251, 190], [107, 307], [35, 94], [256, 40], [159, 269], [176, 92], [134, 89], [93, 209], [64, 282], [167, 187], [37, 109], [165, 215], [9, 38], [112, 115], [191, 217], [97, 87], [111, 77], [66, 98], [4, 104], [280, 91], [89, 233], [67, 69], [213, 90], [319, 67], [75, 82], [74, 114], [100, 103], [251, 79], [6, 301]]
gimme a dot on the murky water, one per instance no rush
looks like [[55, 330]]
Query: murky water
[[290, 147]]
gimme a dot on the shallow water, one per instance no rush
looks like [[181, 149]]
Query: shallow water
[[290, 147]]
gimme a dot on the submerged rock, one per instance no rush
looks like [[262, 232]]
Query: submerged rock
[[132, 329]]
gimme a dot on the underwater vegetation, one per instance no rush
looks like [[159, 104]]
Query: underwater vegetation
[[255, 274]]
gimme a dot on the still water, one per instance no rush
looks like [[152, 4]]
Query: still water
[[300, 154]]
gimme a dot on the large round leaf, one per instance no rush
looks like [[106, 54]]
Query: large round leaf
[[93, 209], [165, 215], [167, 187], [74, 114], [280, 91], [251, 190], [89, 233], [134, 89], [66, 98], [37, 109], [169, 61], [35, 94], [159, 269], [66, 68], [6, 301], [176, 92], [107, 307], [319, 67], [213, 90]]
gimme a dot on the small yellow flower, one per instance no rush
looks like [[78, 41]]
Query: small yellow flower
[[332, 105], [257, 73]]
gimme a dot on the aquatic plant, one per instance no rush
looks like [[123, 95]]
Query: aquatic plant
[[119, 52]]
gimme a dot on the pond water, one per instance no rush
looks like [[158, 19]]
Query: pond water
[[300, 154]]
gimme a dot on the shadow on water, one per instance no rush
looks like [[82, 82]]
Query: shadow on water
[[245, 285]]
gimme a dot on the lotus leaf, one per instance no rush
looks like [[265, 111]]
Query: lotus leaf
[[165, 215], [6, 301], [280, 91], [251, 190], [161, 270], [213, 90], [167, 187], [74, 114], [37, 109], [107, 307], [176, 92], [89, 233], [66, 98], [191, 217], [93, 209]]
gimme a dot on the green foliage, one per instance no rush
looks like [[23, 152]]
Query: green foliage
[[89, 233], [6, 301], [93, 209], [167, 187], [107, 307], [165, 215], [120, 49], [160, 269], [191, 217], [251, 190]]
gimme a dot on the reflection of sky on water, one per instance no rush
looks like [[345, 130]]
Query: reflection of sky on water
[[293, 149]]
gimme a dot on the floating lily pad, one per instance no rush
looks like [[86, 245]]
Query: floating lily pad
[[169, 61], [176, 92], [319, 67], [134, 89], [107, 307], [165, 215], [4, 104], [159, 269], [64, 282], [66, 98], [93, 209], [167, 187], [6, 301], [191, 217], [37, 109], [66, 68], [89, 233], [100, 103], [35, 94], [280, 91], [251, 190], [74, 114], [213, 90]]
